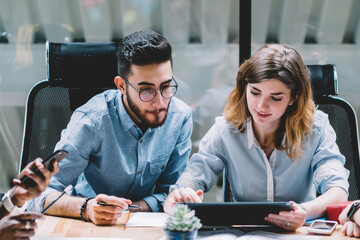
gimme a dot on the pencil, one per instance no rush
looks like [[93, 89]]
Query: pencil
[[102, 203], [66, 190]]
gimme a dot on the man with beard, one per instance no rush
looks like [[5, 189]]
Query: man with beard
[[126, 146]]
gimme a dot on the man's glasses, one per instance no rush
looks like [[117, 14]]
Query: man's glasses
[[146, 95]]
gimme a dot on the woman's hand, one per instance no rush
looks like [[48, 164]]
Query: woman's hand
[[351, 229], [288, 220], [343, 216], [182, 195]]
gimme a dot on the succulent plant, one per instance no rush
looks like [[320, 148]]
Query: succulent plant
[[182, 219]]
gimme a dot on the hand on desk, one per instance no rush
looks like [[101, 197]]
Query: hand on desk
[[291, 220], [16, 226], [182, 195], [23, 192], [349, 228], [106, 215]]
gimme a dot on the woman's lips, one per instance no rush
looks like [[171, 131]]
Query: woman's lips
[[262, 115]]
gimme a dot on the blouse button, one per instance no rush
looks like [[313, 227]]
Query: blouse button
[[139, 171], [141, 140]]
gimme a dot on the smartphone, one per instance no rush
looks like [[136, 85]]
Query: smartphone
[[48, 163], [325, 227]]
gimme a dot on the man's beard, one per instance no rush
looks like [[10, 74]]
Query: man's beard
[[144, 121]]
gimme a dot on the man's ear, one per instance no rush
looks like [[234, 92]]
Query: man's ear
[[120, 84]]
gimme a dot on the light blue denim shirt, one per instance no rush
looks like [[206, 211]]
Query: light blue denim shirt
[[109, 154], [254, 177]]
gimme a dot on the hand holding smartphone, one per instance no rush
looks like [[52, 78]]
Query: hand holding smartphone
[[48, 163], [325, 227]]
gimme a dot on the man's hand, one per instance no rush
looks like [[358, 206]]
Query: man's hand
[[15, 226], [182, 195], [23, 192], [144, 207], [106, 215], [288, 220]]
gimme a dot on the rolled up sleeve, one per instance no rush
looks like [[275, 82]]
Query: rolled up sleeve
[[328, 162]]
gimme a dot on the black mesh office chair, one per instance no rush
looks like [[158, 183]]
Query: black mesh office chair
[[76, 72], [342, 117]]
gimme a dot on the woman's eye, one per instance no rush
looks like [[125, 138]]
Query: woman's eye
[[254, 93], [277, 99]]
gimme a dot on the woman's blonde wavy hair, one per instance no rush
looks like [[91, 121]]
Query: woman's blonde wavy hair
[[276, 61]]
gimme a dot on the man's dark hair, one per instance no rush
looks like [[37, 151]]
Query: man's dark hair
[[142, 48]]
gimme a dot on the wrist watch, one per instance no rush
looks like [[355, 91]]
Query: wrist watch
[[354, 207], [9, 206]]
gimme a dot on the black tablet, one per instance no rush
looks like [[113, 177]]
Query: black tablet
[[246, 214]]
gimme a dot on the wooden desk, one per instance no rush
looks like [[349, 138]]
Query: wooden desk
[[66, 227]]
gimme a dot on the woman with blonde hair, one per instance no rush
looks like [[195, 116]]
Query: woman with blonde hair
[[272, 142]]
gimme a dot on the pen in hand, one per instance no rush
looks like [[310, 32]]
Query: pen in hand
[[66, 190], [102, 203]]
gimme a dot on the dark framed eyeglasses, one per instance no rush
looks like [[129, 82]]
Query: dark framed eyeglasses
[[146, 95]]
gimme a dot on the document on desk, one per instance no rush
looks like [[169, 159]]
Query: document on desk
[[147, 219], [262, 235], [77, 238]]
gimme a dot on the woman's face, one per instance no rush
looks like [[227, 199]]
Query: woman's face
[[267, 102]]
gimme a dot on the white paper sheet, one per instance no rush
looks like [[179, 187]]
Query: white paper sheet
[[260, 235], [147, 219], [77, 238]]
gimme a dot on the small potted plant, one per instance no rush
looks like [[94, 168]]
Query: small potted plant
[[182, 224]]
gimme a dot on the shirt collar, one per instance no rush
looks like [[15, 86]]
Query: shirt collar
[[250, 134], [127, 122], [251, 137]]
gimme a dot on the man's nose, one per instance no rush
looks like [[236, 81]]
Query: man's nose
[[159, 100]]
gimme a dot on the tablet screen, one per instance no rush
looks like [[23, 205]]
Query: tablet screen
[[237, 213]]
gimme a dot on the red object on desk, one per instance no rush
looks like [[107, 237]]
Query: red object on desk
[[334, 210]]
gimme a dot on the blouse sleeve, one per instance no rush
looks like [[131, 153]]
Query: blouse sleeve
[[328, 162]]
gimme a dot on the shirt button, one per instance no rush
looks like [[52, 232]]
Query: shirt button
[[162, 167], [141, 140], [139, 171]]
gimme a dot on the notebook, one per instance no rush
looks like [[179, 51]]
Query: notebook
[[243, 214]]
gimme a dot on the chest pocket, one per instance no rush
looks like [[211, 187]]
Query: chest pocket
[[158, 165]]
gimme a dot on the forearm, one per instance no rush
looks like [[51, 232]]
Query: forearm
[[317, 207], [68, 206]]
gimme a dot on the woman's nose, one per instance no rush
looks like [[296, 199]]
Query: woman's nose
[[263, 104]]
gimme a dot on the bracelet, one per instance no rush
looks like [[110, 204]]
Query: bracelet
[[83, 207]]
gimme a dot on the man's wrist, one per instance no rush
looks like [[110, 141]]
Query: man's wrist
[[15, 198], [83, 210], [9, 205]]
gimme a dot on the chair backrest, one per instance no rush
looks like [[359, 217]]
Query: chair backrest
[[76, 72], [342, 118]]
